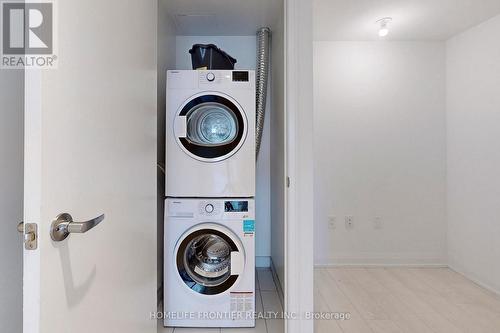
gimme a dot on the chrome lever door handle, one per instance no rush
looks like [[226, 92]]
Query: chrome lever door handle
[[63, 225]]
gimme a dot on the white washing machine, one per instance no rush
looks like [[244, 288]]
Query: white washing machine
[[209, 268], [210, 133]]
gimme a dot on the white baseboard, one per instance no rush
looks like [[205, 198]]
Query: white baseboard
[[413, 265], [262, 262], [384, 259], [474, 279], [361, 265]]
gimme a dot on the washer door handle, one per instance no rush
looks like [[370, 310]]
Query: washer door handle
[[237, 263]]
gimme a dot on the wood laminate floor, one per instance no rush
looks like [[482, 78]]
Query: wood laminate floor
[[416, 300]]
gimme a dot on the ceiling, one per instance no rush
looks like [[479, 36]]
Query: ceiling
[[223, 17], [412, 19]]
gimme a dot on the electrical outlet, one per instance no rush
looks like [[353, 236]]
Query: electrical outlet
[[349, 221], [377, 222], [332, 222]]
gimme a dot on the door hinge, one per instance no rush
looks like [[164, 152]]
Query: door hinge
[[30, 235], [287, 181]]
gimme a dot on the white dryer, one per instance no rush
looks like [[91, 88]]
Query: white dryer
[[209, 268], [210, 133]]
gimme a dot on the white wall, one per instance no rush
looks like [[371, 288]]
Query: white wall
[[473, 124], [276, 120], [11, 199], [166, 60], [243, 48], [380, 152]]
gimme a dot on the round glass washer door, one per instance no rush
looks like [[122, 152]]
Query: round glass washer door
[[203, 261], [215, 127]]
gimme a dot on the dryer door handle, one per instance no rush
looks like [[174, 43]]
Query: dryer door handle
[[237, 263], [181, 127]]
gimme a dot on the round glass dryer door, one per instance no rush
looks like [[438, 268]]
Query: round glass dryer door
[[213, 128], [204, 259]]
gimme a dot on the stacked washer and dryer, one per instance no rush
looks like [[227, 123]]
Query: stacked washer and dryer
[[210, 210]]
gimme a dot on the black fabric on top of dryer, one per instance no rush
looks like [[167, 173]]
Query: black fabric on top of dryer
[[213, 151]]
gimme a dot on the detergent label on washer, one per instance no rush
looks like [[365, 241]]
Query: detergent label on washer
[[249, 226]]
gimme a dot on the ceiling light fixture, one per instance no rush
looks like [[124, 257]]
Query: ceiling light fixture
[[384, 26]]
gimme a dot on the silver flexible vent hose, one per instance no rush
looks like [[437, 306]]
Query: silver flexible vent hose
[[263, 45]]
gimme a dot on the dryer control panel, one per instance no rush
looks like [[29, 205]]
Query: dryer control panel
[[211, 79], [240, 79]]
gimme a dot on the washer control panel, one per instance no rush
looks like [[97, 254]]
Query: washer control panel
[[210, 76], [211, 209]]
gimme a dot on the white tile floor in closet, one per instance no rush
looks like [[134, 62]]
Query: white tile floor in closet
[[266, 299]]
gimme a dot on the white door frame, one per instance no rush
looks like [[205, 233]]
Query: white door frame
[[299, 165], [33, 191]]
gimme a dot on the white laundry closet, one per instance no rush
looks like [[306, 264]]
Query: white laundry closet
[[232, 27]]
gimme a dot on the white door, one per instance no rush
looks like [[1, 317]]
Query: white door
[[91, 150], [11, 180]]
